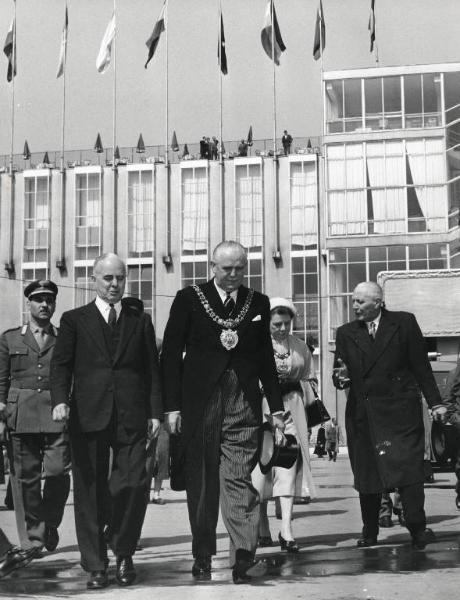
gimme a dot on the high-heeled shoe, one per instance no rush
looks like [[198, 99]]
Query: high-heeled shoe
[[289, 546]]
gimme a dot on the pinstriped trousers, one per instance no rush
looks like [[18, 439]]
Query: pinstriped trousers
[[218, 464]]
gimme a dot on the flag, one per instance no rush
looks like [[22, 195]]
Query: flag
[[26, 151], [185, 152], [140, 148], [8, 50], [154, 38], [46, 160], [221, 53], [105, 51], [309, 144], [267, 32], [371, 25], [249, 140], [98, 145], [117, 153], [174, 144], [319, 42], [63, 51]]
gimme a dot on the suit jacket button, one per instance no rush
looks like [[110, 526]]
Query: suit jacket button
[[39, 378], [39, 366], [39, 390]]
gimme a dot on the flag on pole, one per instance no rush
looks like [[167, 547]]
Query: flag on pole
[[8, 50], [46, 160], [185, 152], [105, 51], [249, 140], [63, 51], [26, 151], [267, 32], [371, 25], [174, 144], [319, 42], [117, 153], [140, 148], [221, 52], [98, 145], [154, 38]]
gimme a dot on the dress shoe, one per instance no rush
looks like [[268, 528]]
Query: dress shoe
[[240, 571], [366, 542], [399, 513], [15, 558], [97, 580], [385, 521], [126, 573], [202, 567], [289, 546], [265, 541], [51, 538], [304, 500], [421, 538], [159, 501]]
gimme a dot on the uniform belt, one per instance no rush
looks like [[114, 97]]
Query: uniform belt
[[29, 384]]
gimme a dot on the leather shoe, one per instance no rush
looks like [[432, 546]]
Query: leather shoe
[[421, 538], [289, 546], [126, 573], [240, 571], [16, 558], [97, 580], [51, 538], [385, 521], [366, 542], [201, 568]]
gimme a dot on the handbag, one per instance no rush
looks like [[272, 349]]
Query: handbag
[[177, 463], [316, 411]]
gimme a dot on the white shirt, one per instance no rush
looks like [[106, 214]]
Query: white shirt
[[376, 322], [223, 294], [104, 308]]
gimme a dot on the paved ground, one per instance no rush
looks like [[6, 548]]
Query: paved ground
[[329, 565]]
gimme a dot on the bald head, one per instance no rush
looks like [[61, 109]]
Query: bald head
[[367, 300], [228, 264], [109, 276]]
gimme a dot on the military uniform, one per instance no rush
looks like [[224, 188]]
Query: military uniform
[[38, 443]]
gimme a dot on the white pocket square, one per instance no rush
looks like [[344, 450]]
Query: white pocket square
[[257, 318]]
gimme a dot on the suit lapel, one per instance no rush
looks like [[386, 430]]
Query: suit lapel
[[89, 319], [212, 296], [29, 340], [386, 330], [129, 322], [361, 337]]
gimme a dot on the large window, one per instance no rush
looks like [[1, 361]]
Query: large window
[[140, 284], [386, 187], [349, 266], [84, 286], [36, 219], [88, 217], [249, 220], [195, 225], [140, 213]]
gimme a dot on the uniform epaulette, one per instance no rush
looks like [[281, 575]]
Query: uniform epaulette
[[24, 329]]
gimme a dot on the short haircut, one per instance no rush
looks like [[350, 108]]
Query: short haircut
[[228, 245], [103, 257]]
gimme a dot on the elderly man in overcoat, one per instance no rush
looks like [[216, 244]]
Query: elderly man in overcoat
[[216, 348], [381, 358], [39, 445]]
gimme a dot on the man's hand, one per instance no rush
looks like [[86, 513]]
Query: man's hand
[[174, 422], [61, 412], [153, 428], [439, 414], [340, 374]]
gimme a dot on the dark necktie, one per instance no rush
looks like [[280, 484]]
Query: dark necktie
[[112, 316], [229, 305]]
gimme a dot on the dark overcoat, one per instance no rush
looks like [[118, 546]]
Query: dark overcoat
[[383, 416], [193, 357], [86, 377]]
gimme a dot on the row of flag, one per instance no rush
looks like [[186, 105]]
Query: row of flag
[[272, 41]]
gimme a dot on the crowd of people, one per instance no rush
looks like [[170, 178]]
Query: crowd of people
[[97, 398]]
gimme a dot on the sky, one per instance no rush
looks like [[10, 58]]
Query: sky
[[408, 32]]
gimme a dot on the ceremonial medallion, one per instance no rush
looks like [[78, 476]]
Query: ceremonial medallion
[[228, 339]]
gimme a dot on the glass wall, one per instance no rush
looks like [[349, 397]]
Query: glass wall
[[349, 266], [140, 213], [386, 187], [140, 284], [37, 196], [88, 217], [249, 220]]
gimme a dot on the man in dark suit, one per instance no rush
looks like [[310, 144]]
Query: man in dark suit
[[39, 446], [286, 140], [382, 359], [104, 378], [212, 393]]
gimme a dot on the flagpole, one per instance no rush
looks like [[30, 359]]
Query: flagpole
[[274, 78], [114, 133], [277, 252], [221, 157], [318, 214], [61, 262], [13, 73]]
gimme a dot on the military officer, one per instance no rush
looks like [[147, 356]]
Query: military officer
[[39, 445]]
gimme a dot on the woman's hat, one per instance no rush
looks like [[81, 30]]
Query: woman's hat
[[271, 455], [284, 303]]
